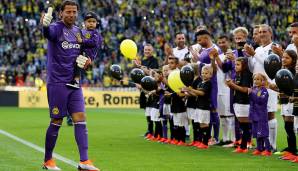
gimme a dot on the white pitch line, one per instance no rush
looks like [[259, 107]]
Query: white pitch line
[[37, 148]]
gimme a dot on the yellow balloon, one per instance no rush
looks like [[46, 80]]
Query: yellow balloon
[[129, 49], [175, 81]]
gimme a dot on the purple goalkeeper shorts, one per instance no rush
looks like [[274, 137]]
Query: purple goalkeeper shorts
[[64, 101]]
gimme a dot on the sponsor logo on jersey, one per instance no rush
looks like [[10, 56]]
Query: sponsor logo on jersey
[[68, 45]]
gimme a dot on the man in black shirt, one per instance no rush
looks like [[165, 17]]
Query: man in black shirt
[[150, 62]]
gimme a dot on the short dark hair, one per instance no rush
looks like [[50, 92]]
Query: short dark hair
[[295, 24], [68, 2], [178, 33], [223, 37], [202, 32], [175, 59], [148, 44]]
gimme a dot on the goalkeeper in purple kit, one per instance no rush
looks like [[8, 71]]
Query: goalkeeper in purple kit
[[63, 51]]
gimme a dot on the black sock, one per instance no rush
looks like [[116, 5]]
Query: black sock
[[200, 133], [206, 135], [195, 131], [179, 134], [250, 132], [158, 129], [165, 128], [172, 127], [150, 125], [175, 132], [245, 135], [238, 133], [183, 134], [291, 137]]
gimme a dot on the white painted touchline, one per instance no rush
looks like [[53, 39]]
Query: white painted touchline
[[37, 148]]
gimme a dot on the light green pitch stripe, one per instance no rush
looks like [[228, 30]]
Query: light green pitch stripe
[[37, 148]]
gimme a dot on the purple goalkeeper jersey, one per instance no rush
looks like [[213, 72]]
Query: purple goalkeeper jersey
[[92, 41], [63, 49]]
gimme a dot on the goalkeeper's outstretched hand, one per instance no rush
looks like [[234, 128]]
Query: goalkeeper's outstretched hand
[[83, 62]]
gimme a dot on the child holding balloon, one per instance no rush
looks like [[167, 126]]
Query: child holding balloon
[[191, 106], [166, 108], [289, 59], [178, 108], [154, 103], [203, 104]]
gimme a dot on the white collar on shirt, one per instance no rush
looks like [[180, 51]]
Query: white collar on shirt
[[268, 46]]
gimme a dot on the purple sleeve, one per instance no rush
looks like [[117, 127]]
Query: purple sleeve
[[251, 103], [227, 66], [50, 32], [253, 95]]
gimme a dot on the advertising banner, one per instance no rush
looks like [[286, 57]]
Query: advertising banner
[[93, 99]]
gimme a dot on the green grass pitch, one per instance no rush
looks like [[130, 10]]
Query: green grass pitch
[[116, 144]]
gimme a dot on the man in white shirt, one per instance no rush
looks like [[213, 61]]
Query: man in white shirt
[[181, 50], [256, 37], [227, 119], [256, 65], [293, 33]]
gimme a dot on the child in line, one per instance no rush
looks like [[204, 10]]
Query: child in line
[[202, 114], [241, 84], [289, 59], [191, 105], [178, 110], [166, 107], [154, 98], [258, 114]]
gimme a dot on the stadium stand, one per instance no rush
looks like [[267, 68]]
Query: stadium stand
[[23, 49]]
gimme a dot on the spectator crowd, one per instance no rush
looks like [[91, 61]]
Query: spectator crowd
[[23, 49]]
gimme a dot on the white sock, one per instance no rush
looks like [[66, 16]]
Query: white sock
[[224, 125], [273, 132], [231, 128], [296, 124], [187, 128]]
